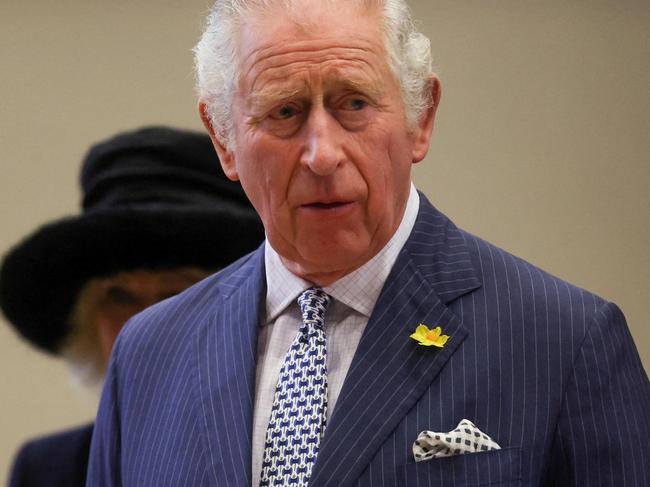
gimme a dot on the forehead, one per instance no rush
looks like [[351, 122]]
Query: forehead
[[275, 44], [144, 280]]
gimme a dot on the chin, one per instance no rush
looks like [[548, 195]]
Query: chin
[[335, 257]]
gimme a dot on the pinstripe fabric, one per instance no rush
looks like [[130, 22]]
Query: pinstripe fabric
[[549, 371]]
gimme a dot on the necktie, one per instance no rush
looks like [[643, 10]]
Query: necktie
[[299, 411]]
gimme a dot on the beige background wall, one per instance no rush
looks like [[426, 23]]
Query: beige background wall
[[541, 144]]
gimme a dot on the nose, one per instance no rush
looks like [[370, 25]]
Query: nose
[[323, 149]]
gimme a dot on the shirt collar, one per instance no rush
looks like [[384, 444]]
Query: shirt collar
[[282, 286], [359, 289]]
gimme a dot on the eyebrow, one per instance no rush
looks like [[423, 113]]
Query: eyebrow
[[365, 87], [272, 95]]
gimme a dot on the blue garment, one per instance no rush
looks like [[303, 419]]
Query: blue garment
[[547, 370], [56, 460]]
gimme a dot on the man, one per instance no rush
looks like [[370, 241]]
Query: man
[[69, 287], [369, 327]]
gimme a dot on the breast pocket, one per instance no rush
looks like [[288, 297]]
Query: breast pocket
[[494, 468]]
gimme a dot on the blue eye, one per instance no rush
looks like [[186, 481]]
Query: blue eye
[[284, 112], [355, 104]]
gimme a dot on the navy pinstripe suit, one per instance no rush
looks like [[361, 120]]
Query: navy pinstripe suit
[[548, 370]]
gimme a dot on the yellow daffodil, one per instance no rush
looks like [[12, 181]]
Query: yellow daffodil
[[427, 337]]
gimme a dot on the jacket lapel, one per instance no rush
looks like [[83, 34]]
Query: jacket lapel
[[390, 371], [227, 349]]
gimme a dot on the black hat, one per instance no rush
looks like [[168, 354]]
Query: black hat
[[154, 198]]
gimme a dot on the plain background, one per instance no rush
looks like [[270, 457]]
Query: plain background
[[541, 143]]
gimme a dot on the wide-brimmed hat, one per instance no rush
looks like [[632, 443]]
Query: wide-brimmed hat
[[154, 198]]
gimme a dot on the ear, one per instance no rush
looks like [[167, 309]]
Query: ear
[[424, 128], [226, 157]]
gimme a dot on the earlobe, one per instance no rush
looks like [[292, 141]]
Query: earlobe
[[226, 157], [424, 128]]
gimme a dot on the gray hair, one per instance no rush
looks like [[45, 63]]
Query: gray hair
[[81, 350], [217, 66]]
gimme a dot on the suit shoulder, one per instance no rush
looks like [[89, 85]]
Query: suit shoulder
[[169, 322], [500, 270], [457, 263], [527, 301], [59, 458]]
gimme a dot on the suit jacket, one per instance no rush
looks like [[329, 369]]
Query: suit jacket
[[548, 370], [56, 460]]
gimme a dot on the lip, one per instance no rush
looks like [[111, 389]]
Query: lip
[[327, 208]]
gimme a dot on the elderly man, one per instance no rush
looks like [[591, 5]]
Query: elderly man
[[370, 342], [69, 287]]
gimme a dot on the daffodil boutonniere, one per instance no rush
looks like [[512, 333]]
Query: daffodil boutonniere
[[426, 337]]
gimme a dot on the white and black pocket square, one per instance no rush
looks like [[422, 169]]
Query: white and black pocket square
[[466, 438]]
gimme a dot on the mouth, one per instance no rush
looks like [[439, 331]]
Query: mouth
[[326, 207]]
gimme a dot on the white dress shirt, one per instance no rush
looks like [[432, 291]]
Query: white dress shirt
[[354, 297]]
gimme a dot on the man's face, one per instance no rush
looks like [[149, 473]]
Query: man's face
[[110, 301], [322, 149]]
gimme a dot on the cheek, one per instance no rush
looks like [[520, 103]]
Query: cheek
[[386, 169], [109, 324], [107, 336], [383, 161], [266, 169]]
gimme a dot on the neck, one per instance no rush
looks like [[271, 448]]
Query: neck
[[320, 278]]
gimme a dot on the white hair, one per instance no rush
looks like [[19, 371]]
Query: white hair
[[81, 350], [217, 66]]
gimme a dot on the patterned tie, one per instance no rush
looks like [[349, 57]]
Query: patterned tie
[[299, 412]]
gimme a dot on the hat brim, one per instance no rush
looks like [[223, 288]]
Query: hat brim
[[41, 277]]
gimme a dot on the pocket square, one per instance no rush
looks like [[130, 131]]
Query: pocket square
[[466, 438]]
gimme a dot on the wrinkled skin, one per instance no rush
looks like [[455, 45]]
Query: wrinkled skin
[[322, 147]]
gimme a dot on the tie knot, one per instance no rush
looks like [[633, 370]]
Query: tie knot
[[313, 304]]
